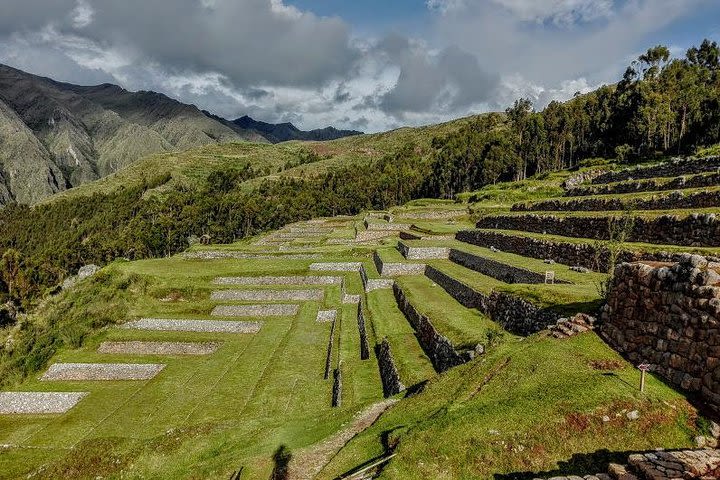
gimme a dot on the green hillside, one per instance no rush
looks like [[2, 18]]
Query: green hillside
[[553, 402], [191, 168]]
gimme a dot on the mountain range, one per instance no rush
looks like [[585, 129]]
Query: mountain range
[[55, 136]]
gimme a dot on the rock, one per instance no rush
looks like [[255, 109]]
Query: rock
[[633, 415], [479, 349], [714, 429], [87, 271], [549, 261], [605, 419], [579, 269]]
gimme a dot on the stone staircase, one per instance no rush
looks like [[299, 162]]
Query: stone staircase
[[568, 327]]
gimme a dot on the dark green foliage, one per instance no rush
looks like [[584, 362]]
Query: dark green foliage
[[661, 106]]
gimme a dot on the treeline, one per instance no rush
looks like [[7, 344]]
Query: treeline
[[43, 244], [662, 106]]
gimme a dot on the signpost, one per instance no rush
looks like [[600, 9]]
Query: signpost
[[550, 276], [643, 367]]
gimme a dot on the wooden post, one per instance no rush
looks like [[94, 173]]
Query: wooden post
[[644, 367]]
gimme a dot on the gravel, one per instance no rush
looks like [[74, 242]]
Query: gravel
[[176, 325], [159, 348], [336, 266], [102, 371], [38, 402], [284, 310], [268, 295], [289, 280], [326, 316]]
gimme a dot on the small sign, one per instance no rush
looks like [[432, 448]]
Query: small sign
[[643, 367], [550, 276]]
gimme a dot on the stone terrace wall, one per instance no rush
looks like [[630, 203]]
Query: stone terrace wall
[[632, 186], [501, 271], [364, 346], [568, 253], [513, 313], [397, 269], [389, 375], [693, 230], [581, 177], [669, 317], [668, 201], [423, 253], [674, 168], [437, 347]]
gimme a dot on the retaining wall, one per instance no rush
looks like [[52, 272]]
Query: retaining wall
[[700, 230], [669, 317], [667, 201], [633, 186], [513, 313], [364, 345], [673, 168], [397, 269], [437, 347], [389, 375], [423, 253], [492, 268], [568, 253]]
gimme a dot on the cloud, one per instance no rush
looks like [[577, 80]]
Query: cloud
[[277, 62]]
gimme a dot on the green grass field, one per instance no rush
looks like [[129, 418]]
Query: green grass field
[[530, 406]]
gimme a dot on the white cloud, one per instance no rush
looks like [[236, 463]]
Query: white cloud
[[82, 15]]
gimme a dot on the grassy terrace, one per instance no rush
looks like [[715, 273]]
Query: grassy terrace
[[388, 321], [566, 299], [524, 407], [464, 328], [632, 246], [659, 183], [607, 213], [629, 197], [210, 414]]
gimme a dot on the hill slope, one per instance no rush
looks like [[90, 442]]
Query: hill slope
[[82, 134]]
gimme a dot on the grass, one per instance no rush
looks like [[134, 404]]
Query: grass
[[464, 328], [530, 406], [526, 407], [191, 167]]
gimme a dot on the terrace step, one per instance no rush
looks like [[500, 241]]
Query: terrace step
[[649, 185], [666, 200], [583, 252], [697, 230], [673, 168]]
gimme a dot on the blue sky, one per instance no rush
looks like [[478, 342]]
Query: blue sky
[[365, 64]]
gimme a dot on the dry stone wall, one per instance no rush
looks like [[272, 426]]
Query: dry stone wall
[[579, 178], [568, 253], [423, 253], [492, 268], [674, 168], [337, 388], [438, 348], [651, 185], [397, 269], [669, 317], [698, 230], [364, 345], [389, 375], [667, 201], [513, 313]]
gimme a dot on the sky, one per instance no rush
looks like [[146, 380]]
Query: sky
[[370, 65]]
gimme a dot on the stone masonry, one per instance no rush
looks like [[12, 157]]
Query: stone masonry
[[667, 169], [697, 230], [669, 317]]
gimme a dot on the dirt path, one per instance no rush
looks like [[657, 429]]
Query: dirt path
[[306, 464]]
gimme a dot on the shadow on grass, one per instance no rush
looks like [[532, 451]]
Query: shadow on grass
[[579, 464], [281, 458], [570, 309]]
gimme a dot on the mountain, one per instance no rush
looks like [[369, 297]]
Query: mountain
[[55, 136], [283, 132]]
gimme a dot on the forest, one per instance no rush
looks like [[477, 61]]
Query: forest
[[661, 106]]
